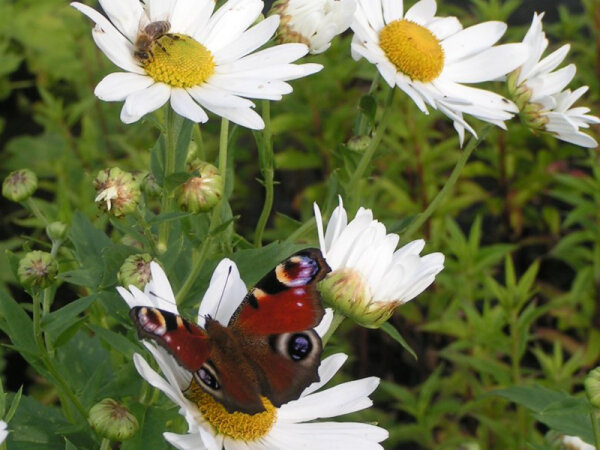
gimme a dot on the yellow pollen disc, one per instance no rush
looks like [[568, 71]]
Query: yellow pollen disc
[[179, 61], [413, 49], [237, 425]]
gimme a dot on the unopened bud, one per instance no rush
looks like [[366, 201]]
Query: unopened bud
[[592, 387], [203, 190], [56, 231], [37, 269], [19, 185], [112, 420], [135, 271], [346, 291], [118, 191]]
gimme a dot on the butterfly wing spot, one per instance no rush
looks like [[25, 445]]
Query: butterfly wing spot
[[151, 321], [207, 378], [297, 271], [297, 346]]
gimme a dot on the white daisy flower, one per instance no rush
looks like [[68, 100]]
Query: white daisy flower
[[538, 91], [369, 279], [290, 426], [429, 58], [313, 22], [182, 52]]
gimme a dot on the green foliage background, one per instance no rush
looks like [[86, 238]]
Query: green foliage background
[[516, 305]]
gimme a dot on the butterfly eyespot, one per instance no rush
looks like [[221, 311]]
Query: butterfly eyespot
[[207, 377], [299, 346]]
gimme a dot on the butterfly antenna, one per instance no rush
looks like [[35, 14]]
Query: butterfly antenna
[[223, 291], [153, 294]]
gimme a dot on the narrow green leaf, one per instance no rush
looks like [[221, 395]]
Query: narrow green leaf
[[14, 405], [395, 334], [65, 316]]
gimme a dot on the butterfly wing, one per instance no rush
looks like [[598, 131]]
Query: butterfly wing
[[186, 341], [274, 324]]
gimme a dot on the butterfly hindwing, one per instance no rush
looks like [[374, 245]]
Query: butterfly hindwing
[[186, 341]]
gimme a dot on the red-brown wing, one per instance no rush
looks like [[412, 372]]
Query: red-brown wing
[[286, 299], [186, 341]]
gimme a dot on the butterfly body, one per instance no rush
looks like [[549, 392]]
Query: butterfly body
[[268, 349]]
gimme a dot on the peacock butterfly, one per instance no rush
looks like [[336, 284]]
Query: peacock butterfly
[[269, 347]]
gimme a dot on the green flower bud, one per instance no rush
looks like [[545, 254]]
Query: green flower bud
[[150, 186], [19, 185], [113, 421], [37, 269], [359, 143], [346, 291], [592, 387], [56, 231], [118, 191], [135, 270], [203, 191]]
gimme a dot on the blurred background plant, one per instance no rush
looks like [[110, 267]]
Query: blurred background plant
[[516, 308]]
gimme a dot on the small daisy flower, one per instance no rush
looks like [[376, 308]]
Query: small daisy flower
[[538, 91], [182, 52], [369, 279], [292, 426], [313, 22], [430, 58]]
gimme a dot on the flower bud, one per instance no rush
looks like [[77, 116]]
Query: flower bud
[[19, 185], [37, 269], [112, 420], [312, 22], [118, 191], [135, 271], [346, 291], [359, 143], [592, 387], [203, 191], [56, 231]]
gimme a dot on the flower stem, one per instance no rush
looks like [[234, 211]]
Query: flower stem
[[265, 151], [370, 151], [337, 320], [105, 445], [36, 210], [445, 191], [169, 169], [595, 428]]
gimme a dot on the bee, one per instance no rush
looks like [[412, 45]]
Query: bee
[[148, 35]]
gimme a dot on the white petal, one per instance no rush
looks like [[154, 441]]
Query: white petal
[[224, 294], [327, 369], [156, 380], [487, 65], [185, 441], [125, 14], [392, 10], [159, 289], [182, 104], [249, 41], [142, 102], [325, 323], [421, 12], [472, 40], [230, 21], [119, 85], [160, 9], [371, 9], [251, 88], [443, 27], [187, 14]]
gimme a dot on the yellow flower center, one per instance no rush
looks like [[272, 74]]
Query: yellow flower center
[[413, 49], [179, 61], [237, 425]]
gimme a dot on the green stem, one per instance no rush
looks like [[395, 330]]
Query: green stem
[[595, 428], [169, 161], [337, 320], [370, 151], [197, 263], [445, 191], [362, 122], [105, 445], [48, 362], [36, 210], [46, 302], [197, 132], [267, 169]]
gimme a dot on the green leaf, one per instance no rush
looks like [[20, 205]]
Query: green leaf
[[17, 325], [175, 180], [67, 315], [395, 334], [14, 405], [182, 145], [368, 106]]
